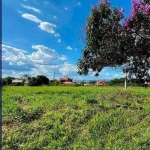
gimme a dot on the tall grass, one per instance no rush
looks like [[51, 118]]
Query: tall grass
[[76, 118]]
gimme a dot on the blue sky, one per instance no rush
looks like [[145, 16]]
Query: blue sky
[[40, 37]]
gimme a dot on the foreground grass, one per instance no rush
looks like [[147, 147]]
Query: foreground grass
[[76, 118]]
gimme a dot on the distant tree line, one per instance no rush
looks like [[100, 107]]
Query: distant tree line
[[120, 81], [7, 80], [39, 80], [117, 81], [43, 80], [33, 81]]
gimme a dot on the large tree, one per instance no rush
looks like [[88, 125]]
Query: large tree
[[137, 28], [109, 42]]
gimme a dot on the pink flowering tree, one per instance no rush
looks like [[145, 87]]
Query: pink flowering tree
[[109, 42], [137, 28]]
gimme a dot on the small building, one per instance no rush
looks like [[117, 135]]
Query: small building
[[23, 79], [102, 83], [16, 80], [87, 84], [66, 79], [68, 83]]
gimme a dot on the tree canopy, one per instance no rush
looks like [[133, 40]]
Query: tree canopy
[[39, 80], [112, 41], [7, 80]]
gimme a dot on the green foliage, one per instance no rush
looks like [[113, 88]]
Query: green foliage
[[7, 80], [116, 81], [136, 30], [18, 84], [103, 38], [4, 82], [32, 81], [59, 117], [82, 83], [39, 80], [109, 42], [54, 82]]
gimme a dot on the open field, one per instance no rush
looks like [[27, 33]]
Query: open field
[[75, 118]]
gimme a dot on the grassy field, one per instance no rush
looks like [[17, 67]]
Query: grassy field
[[75, 118]]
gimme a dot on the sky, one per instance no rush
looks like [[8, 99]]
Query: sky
[[43, 37]]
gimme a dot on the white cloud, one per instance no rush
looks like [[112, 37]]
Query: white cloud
[[31, 18], [46, 2], [67, 68], [19, 11], [20, 63], [48, 27], [35, 1], [65, 8], [43, 60], [45, 50], [59, 40], [32, 8], [63, 57], [12, 53], [69, 48], [57, 35], [45, 26], [10, 63], [43, 55], [78, 4], [41, 70], [55, 17]]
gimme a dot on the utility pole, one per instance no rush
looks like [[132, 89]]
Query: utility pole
[[125, 82], [54, 76], [125, 86]]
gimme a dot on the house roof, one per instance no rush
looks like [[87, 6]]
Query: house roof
[[69, 83], [66, 78]]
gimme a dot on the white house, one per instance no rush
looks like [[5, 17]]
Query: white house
[[23, 78], [16, 80]]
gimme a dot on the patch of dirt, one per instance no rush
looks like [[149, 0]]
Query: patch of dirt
[[127, 107], [5, 128], [104, 96], [24, 107], [148, 98], [123, 95]]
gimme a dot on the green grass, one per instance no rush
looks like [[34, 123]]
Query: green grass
[[75, 118]]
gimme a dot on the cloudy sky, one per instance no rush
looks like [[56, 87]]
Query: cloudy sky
[[40, 37]]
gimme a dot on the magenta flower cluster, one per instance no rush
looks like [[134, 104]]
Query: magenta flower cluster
[[137, 6], [126, 24], [106, 2], [94, 8], [122, 10]]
